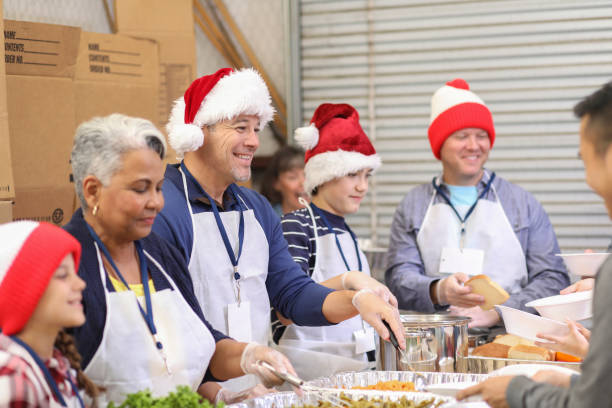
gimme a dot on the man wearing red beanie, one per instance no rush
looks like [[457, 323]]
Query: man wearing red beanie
[[469, 222]]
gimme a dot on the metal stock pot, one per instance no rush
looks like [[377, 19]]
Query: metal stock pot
[[434, 342]]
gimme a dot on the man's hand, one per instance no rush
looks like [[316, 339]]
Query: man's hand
[[480, 318], [574, 342], [493, 391], [553, 377], [373, 310], [581, 286], [451, 291], [355, 280], [231, 397]]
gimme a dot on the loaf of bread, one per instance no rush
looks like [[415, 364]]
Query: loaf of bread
[[524, 352], [491, 291], [494, 350], [512, 340]]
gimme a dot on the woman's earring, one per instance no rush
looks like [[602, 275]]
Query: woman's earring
[[95, 210]]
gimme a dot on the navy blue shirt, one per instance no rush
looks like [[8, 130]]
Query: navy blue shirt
[[290, 291], [89, 336]]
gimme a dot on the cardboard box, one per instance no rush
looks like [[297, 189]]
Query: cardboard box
[[58, 77], [6, 211], [7, 185], [170, 23]]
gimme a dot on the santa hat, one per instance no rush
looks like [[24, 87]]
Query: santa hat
[[30, 252], [455, 107], [213, 98], [335, 145]]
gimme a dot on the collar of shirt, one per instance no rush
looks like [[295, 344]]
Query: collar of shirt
[[193, 190], [480, 186], [336, 221]]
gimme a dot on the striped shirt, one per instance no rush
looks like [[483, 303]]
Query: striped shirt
[[22, 383]]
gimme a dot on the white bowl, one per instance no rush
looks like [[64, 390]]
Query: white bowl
[[585, 264], [527, 325], [574, 306], [529, 370]]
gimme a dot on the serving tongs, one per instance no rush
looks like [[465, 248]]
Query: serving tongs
[[420, 381], [324, 394]]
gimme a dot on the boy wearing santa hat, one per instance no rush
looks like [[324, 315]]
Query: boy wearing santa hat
[[468, 221], [230, 235], [339, 161]]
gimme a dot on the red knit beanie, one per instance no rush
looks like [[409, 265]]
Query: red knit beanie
[[30, 252], [455, 107]]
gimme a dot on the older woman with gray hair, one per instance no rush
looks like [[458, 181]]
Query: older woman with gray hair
[[145, 328]]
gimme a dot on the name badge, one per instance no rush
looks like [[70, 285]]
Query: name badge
[[364, 340], [239, 321], [468, 261]]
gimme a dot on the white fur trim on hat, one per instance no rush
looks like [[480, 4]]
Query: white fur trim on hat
[[307, 137], [448, 96], [327, 166], [12, 238], [241, 92]]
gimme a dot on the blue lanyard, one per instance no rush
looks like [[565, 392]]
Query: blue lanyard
[[319, 212], [48, 376], [234, 259], [146, 314], [463, 220]]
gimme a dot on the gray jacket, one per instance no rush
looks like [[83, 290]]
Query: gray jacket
[[591, 389], [405, 274]]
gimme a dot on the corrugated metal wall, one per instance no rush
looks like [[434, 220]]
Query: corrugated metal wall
[[530, 61]]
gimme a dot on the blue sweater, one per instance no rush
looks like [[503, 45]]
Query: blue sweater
[[89, 335], [290, 291]]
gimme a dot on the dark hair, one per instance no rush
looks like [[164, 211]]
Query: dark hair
[[64, 342], [286, 158], [598, 106]]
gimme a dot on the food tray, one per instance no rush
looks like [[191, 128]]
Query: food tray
[[287, 399], [363, 378], [485, 365]]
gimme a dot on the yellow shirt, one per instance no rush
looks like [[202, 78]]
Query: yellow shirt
[[137, 288]]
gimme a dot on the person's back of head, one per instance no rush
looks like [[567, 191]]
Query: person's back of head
[[597, 107]]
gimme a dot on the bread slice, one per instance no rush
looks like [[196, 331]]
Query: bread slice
[[512, 340], [492, 292], [494, 350], [524, 352]]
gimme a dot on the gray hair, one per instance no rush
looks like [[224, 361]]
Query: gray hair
[[100, 143]]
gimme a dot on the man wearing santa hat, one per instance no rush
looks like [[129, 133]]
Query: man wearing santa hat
[[230, 236], [468, 221]]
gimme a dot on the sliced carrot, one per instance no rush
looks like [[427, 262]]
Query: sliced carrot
[[568, 358]]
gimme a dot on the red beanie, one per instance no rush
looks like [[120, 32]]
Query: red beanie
[[335, 144], [30, 252], [455, 107]]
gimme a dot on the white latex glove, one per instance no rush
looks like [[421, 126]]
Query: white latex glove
[[480, 318], [355, 280], [254, 352], [373, 309], [231, 397], [452, 291]]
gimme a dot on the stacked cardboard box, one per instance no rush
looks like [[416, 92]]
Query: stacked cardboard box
[[170, 23], [58, 77], [7, 186]]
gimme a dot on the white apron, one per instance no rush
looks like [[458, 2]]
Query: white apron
[[326, 350], [487, 228], [127, 360], [38, 378], [212, 274]]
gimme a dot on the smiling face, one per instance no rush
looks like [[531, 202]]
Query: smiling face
[[60, 305], [129, 204], [463, 156], [230, 146], [343, 195]]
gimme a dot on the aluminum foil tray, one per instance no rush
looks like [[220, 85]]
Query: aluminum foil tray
[[485, 365], [363, 378], [288, 399]]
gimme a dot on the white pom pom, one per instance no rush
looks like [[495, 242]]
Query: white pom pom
[[185, 138], [307, 137]]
